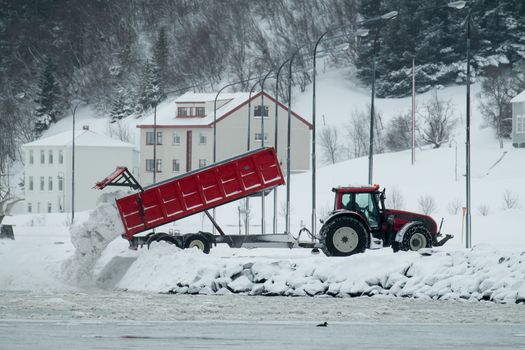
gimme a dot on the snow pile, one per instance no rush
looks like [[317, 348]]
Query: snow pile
[[90, 238], [477, 274]]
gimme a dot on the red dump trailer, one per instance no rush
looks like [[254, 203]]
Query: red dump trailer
[[248, 174], [359, 220]]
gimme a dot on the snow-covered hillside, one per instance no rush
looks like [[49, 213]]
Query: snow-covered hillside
[[42, 256]]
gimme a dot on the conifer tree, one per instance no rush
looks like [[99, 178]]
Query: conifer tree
[[47, 99], [150, 91], [120, 106], [161, 57]]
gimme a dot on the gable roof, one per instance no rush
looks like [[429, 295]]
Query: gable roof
[[519, 98], [83, 138], [166, 115]]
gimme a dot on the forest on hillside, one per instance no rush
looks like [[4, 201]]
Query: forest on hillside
[[125, 56]]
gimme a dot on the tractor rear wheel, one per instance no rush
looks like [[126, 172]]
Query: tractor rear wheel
[[343, 236], [199, 241], [415, 238]]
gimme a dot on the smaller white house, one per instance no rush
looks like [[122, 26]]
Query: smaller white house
[[518, 120], [48, 169]]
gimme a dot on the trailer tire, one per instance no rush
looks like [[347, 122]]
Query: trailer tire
[[199, 241], [343, 236], [415, 238]]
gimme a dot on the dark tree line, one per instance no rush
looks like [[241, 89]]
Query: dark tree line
[[125, 56], [436, 40]]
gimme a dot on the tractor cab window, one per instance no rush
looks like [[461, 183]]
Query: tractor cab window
[[363, 202]]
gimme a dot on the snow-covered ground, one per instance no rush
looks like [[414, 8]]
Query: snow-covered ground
[[49, 255]]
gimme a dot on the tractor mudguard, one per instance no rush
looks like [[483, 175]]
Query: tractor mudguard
[[345, 212], [401, 233]]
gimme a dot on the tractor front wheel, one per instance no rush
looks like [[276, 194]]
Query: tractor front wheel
[[415, 238], [343, 236]]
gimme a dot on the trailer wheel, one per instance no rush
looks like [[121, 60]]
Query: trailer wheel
[[415, 238], [343, 236], [161, 236], [199, 241]]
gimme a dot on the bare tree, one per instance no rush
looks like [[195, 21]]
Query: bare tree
[[358, 134], [496, 93], [438, 121], [398, 135], [7, 198], [510, 200], [328, 141], [454, 206], [394, 199], [483, 209], [119, 130], [427, 204]]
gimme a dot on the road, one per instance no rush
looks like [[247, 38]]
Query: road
[[96, 319]]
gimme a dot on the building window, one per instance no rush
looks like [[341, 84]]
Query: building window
[[42, 156], [31, 183], [150, 138], [258, 136], [42, 183], [199, 112], [38, 207], [258, 110], [202, 139], [50, 157], [49, 207], [182, 112], [520, 118], [176, 139], [176, 165], [202, 163], [29, 207], [60, 183], [50, 183], [60, 157], [150, 165], [31, 157]]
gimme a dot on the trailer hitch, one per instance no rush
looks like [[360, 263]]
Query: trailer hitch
[[441, 242]]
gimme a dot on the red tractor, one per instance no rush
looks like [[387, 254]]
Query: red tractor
[[360, 219]]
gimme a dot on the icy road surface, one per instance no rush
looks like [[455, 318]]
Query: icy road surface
[[110, 320], [255, 335]]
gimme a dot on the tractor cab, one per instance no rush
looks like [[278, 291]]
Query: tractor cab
[[366, 201]]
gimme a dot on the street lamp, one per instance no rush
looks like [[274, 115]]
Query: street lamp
[[460, 5], [73, 167], [382, 20], [263, 198], [289, 133], [276, 138], [361, 33]]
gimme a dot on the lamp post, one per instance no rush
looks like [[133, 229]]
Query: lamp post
[[290, 64], [215, 132], [276, 138], [467, 140], [361, 33], [263, 202], [155, 143], [73, 167], [384, 18]]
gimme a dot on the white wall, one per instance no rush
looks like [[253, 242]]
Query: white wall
[[91, 165]]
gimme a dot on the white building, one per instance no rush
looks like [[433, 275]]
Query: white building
[[518, 120], [185, 133], [48, 169]]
